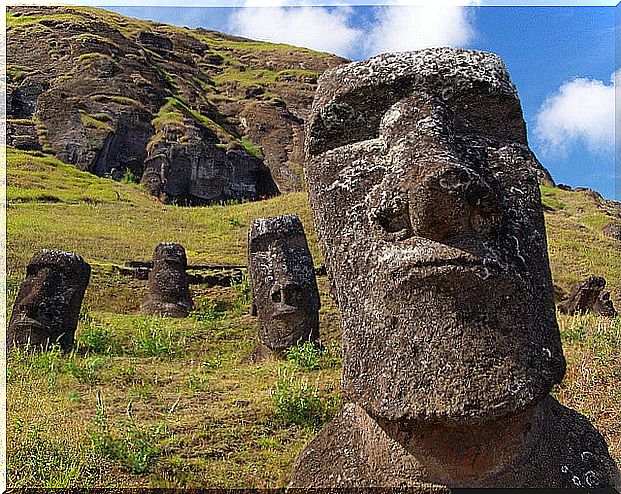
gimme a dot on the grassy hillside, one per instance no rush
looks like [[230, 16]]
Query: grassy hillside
[[166, 403]]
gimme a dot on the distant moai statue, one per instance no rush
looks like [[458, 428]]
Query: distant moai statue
[[284, 287], [169, 292], [426, 203], [588, 295], [47, 306]]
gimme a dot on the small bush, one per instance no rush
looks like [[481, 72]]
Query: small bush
[[88, 370], [309, 356], [151, 339], [208, 315], [129, 177], [299, 403], [93, 338], [134, 450]]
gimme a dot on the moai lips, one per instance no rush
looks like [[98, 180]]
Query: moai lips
[[283, 281], [426, 204], [169, 293], [47, 307]]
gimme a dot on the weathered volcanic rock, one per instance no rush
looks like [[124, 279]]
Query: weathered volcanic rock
[[186, 164], [284, 287], [589, 296], [48, 303], [118, 81], [612, 230], [426, 204], [354, 450], [169, 293]]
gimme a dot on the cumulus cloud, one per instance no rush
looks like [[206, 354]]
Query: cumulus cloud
[[581, 112], [321, 29], [399, 27], [403, 28]]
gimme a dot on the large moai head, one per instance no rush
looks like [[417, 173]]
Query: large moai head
[[169, 293], [47, 306], [427, 207], [284, 287]]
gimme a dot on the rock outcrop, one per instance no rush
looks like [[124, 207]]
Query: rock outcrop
[[426, 204], [284, 288], [215, 117], [47, 306]]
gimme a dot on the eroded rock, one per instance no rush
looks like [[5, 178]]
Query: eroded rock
[[169, 293], [283, 283], [589, 296], [426, 203], [47, 306]]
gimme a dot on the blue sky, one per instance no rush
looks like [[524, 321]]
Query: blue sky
[[561, 59]]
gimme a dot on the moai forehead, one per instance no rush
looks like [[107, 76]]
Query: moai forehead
[[72, 265], [168, 251], [427, 207], [283, 281]]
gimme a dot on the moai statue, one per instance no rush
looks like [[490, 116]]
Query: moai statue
[[47, 306], [589, 296], [426, 203], [284, 288], [169, 293]]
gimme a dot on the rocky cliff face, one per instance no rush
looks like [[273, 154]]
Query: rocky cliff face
[[199, 116]]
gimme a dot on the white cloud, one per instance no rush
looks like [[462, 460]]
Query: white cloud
[[403, 28], [581, 112], [311, 27], [398, 27]]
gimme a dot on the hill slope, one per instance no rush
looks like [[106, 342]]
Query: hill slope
[[166, 403], [199, 116]]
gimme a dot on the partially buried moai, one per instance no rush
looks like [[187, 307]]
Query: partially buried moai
[[168, 289], [284, 288], [426, 203], [47, 306]]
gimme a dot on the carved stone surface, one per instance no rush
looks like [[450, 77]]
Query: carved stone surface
[[47, 306], [426, 203], [589, 296], [169, 293], [283, 281], [428, 210]]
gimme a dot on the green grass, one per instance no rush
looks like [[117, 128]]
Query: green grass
[[146, 402], [99, 121]]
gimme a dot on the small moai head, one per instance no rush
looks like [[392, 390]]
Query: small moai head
[[47, 306], [284, 287], [169, 292], [426, 202]]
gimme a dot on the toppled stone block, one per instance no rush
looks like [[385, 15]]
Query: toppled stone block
[[169, 292], [47, 306], [283, 282]]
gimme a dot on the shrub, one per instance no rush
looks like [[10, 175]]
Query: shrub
[[310, 356], [151, 339], [298, 403], [134, 450], [129, 177]]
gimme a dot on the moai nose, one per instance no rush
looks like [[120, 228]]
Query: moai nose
[[288, 293], [453, 201]]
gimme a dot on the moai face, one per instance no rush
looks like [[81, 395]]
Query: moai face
[[284, 287], [48, 304], [169, 293], [427, 207]]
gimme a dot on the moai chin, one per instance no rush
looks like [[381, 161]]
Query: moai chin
[[169, 292], [284, 287], [47, 306], [426, 203]]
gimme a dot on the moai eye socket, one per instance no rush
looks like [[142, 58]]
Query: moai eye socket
[[394, 217]]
